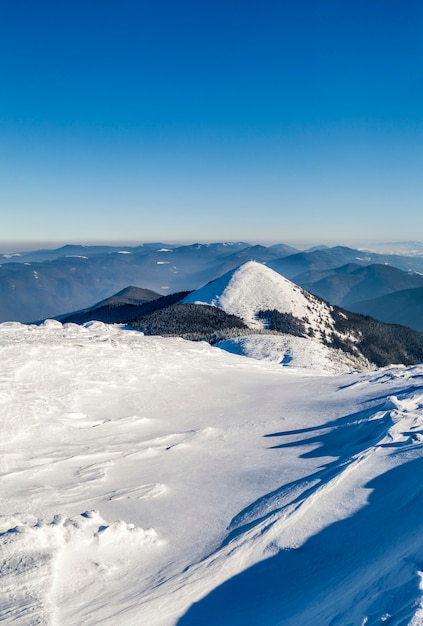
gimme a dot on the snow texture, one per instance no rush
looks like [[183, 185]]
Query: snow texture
[[294, 352], [158, 481]]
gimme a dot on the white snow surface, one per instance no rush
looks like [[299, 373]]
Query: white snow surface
[[294, 352], [253, 287], [158, 482]]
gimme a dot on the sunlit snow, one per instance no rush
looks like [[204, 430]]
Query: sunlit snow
[[294, 352], [159, 482], [253, 287]]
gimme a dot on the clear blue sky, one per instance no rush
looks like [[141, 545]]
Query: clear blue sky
[[208, 120]]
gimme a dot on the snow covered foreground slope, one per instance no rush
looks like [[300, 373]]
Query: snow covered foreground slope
[[158, 481]]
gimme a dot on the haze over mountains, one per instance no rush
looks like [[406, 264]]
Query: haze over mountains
[[32, 290], [353, 283], [49, 283], [401, 307]]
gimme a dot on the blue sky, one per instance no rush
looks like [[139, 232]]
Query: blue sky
[[210, 120]]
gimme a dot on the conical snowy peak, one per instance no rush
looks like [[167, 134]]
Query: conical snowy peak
[[253, 287], [266, 300]]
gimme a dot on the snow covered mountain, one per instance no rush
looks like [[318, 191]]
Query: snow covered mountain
[[149, 480], [265, 299], [402, 307], [254, 287]]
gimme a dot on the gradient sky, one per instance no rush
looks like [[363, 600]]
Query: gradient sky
[[211, 120]]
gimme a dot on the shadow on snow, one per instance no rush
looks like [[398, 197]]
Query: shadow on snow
[[363, 566]]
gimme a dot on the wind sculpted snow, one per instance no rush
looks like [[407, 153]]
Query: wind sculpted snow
[[161, 482]]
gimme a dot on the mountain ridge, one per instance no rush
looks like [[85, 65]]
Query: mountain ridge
[[254, 300], [47, 283]]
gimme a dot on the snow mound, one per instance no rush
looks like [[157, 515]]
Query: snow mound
[[45, 560], [253, 287], [316, 570]]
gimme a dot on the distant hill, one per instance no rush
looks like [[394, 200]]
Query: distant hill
[[319, 260], [261, 254], [282, 250], [130, 295], [352, 283], [124, 303], [402, 307], [123, 310]]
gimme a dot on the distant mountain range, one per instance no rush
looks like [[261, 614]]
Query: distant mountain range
[[51, 283], [402, 307], [352, 283], [318, 260], [357, 279], [75, 277], [255, 300]]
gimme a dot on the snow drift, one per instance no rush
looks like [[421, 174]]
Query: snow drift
[[157, 481]]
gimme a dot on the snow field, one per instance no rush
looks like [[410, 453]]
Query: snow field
[[157, 481]]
